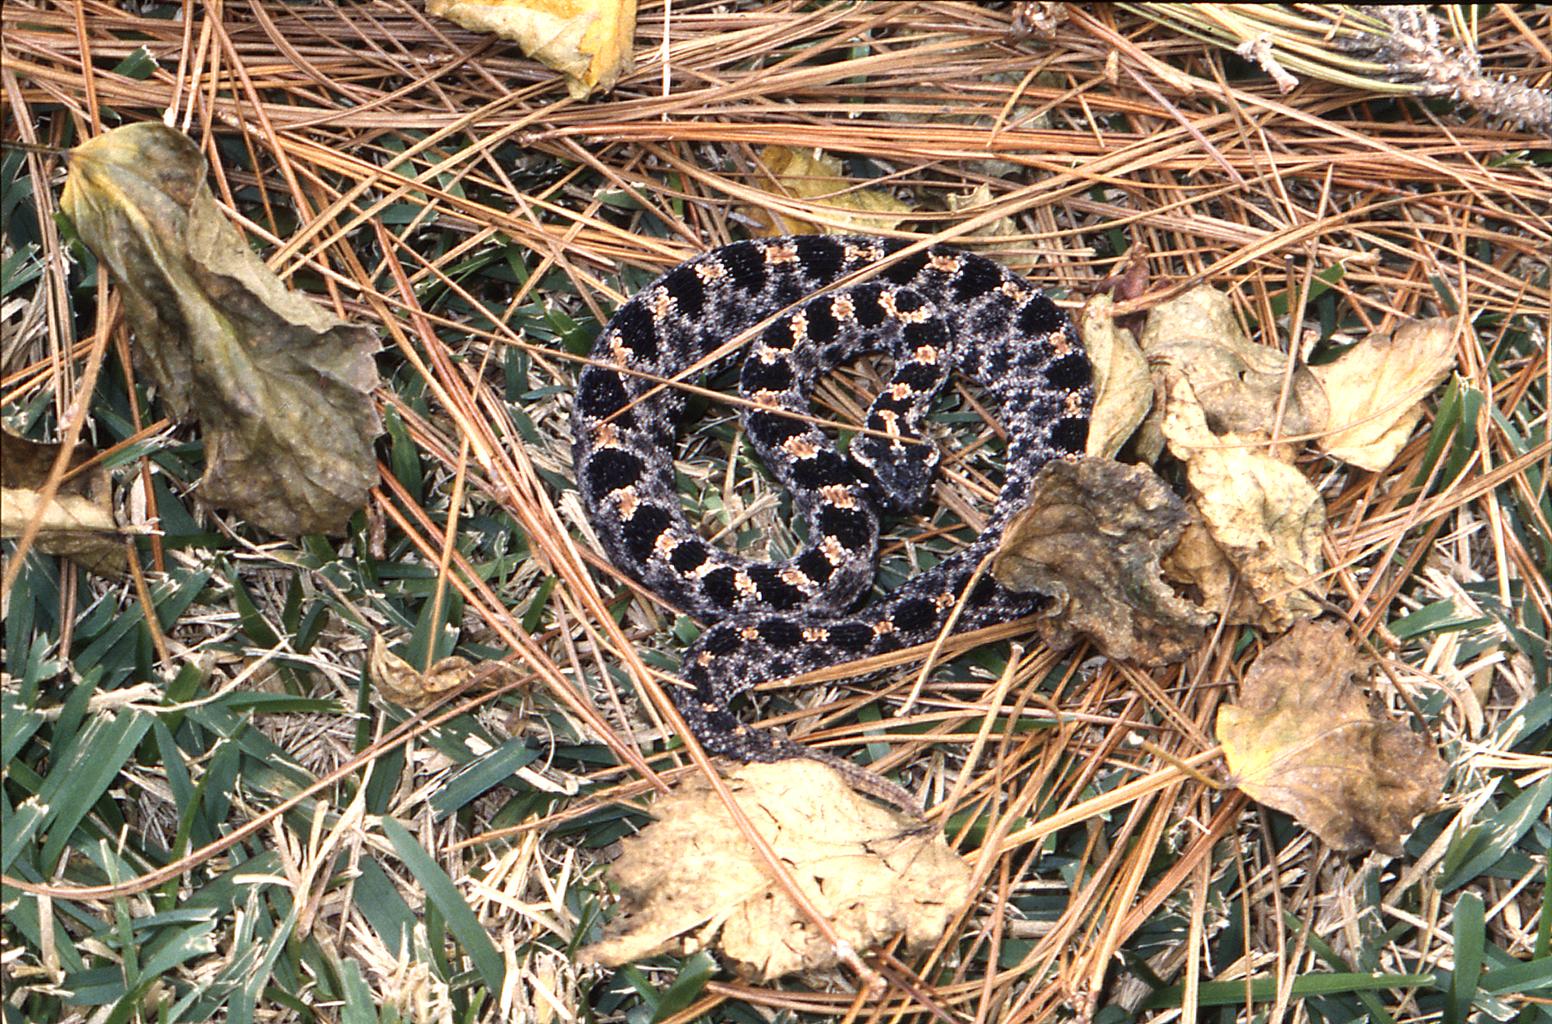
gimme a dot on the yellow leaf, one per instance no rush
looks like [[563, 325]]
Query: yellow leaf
[[588, 41], [1376, 388], [1305, 740], [690, 878], [970, 204], [282, 389], [1260, 513], [1123, 389], [1238, 383], [839, 206]]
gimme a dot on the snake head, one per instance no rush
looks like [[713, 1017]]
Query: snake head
[[897, 473]]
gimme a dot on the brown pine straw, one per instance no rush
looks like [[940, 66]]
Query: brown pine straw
[[1116, 130]]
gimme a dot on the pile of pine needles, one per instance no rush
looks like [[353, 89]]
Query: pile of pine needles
[[277, 842]]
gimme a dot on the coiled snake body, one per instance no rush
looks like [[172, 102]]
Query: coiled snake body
[[933, 312]]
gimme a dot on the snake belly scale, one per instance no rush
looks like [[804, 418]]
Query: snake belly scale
[[933, 312]]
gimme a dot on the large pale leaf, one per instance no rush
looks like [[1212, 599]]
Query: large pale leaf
[[1376, 390], [1238, 384], [588, 41], [282, 390], [1256, 556], [1306, 740], [691, 876], [1123, 389], [805, 174]]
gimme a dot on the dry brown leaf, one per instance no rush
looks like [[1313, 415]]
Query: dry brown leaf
[[1305, 740], [1237, 382], [1092, 537], [282, 389], [690, 878], [1263, 516], [803, 174], [78, 523], [1123, 389], [973, 202], [407, 686], [588, 41], [1376, 388]]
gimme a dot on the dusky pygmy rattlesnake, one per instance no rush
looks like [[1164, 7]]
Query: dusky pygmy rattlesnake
[[934, 312]]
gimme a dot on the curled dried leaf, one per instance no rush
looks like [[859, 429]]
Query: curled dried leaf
[[690, 878], [803, 174], [78, 522], [282, 390], [1123, 389], [1375, 390], [1092, 538], [588, 41], [973, 202], [409, 687], [1238, 383], [1263, 517], [1306, 740]]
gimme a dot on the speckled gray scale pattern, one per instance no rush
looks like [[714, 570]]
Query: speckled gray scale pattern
[[935, 313]]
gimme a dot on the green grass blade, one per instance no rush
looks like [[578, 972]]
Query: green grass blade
[[481, 776], [358, 1006], [1544, 930], [1519, 979], [382, 906], [245, 1004], [18, 828], [1323, 949], [74, 785], [17, 724], [1493, 838], [686, 987], [1469, 939], [444, 895], [1264, 989]]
